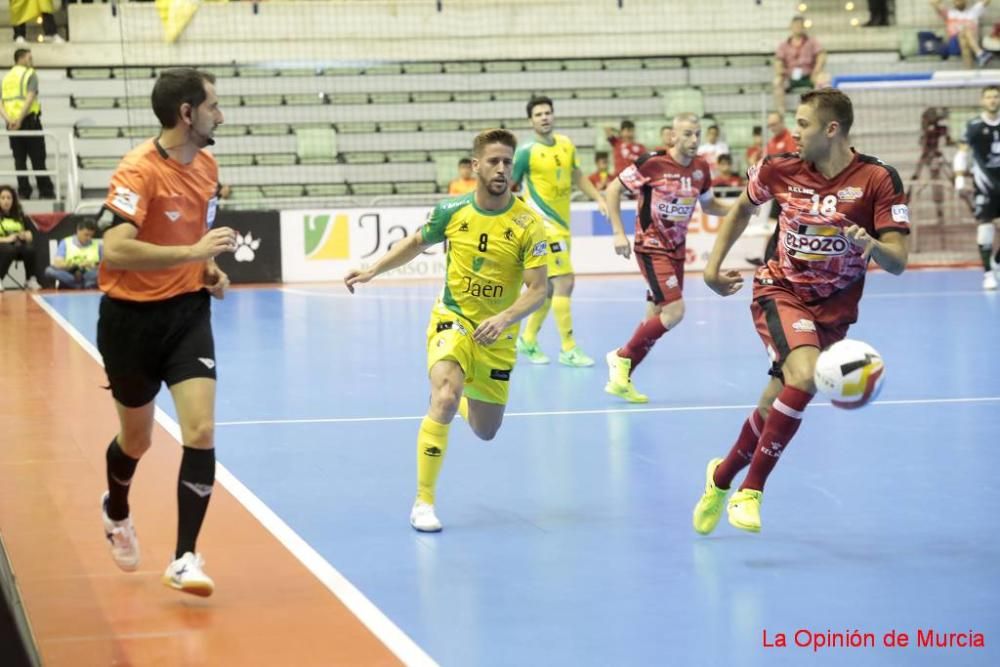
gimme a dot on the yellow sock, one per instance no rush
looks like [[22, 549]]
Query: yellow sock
[[463, 408], [432, 443], [534, 323], [564, 321]]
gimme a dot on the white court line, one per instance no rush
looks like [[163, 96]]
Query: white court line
[[599, 411], [742, 297], [371, 616]]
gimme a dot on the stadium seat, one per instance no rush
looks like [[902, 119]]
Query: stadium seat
[[680, 100], [372, 189], [316, 144], [327, 190]]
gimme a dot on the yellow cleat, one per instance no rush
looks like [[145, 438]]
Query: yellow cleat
[[744, 510], [708, 511], [619, 383]]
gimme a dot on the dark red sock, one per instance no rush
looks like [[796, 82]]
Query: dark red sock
[[781, 425], [642, 341], [740, 455]]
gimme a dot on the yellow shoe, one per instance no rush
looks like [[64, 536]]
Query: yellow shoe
[[708, 511], [744, 510], [619, 383]]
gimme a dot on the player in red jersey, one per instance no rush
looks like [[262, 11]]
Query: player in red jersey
[[838, 210], [667, 184]]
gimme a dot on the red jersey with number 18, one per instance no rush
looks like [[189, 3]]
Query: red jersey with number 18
[[814, 258]]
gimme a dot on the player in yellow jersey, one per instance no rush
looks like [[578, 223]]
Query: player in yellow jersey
[[547, 167], [495, 242]]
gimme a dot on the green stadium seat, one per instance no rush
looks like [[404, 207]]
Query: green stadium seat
[[623, 64], [662, 63], [88, 132], [90, 73], [504, 66], [362, 127], [256, 72], [231, 130], [364, 157], [697, 62], [297, 72], [594, 94], [512, 96], [262, 100], [245, 193], [93, 102], [99, 162], [431, 96], [348, 98], [140, 131], [305, 99], [390, 98], [276, 159], [473, 96], [234, 160], [635, 92], [132, 72], [440, 125], [584, 65], [407, 156], [221, 72], [422, 68], [270, 129], [544, 65], [225, 101], [285, 191], [681, 100], [372, 189], [327, 190], [316, 144], [463, 67], [399, 126], [416, 188], [345, 70], [384, 69]]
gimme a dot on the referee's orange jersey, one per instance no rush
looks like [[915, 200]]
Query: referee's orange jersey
[[171, 204]]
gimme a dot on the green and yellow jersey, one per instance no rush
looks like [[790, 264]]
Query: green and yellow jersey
[[488, 252], [545, 172]]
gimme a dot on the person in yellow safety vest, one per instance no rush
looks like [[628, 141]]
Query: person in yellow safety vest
[[15, 238], [77, 257], [21, 110]]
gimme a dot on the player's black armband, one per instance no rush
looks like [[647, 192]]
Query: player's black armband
[[109, 218]]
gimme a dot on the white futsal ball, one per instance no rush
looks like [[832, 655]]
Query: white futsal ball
[[849, 373]]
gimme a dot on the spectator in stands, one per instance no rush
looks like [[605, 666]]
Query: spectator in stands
[[712, 148], [16, 237], [798, 64], [465, 182], [77, 257], [781, 140], [624, 146], [23, 12], [726, 177], [601, 175], [962, 26], [666, 139], [21, 110], [878, 13], [755, 151]]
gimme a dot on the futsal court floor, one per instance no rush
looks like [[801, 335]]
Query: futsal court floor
[[567, 540]]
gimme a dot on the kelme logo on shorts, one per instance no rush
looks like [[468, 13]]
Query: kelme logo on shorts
[[326, 238]]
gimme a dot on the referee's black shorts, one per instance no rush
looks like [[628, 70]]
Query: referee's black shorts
[[146, 343]]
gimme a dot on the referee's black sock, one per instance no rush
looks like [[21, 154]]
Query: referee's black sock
[[121, 468], [194, 490]]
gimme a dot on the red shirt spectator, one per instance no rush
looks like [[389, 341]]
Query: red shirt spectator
[[625, 149]]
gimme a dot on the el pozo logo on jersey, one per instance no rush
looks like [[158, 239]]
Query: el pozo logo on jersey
[[816, 242]]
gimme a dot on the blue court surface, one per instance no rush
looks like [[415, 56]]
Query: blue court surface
[[568, 538]]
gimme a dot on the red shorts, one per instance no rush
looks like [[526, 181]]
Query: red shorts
[[664, 275], [784, 321]]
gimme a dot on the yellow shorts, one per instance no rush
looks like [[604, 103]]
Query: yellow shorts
[[559, 262], [487, 368]]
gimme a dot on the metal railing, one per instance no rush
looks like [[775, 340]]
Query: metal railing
[[56, 174]]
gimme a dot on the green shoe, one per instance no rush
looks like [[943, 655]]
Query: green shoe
[[708, 511], [532, 351], [744, 510], [628, 392], [575, 358]]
